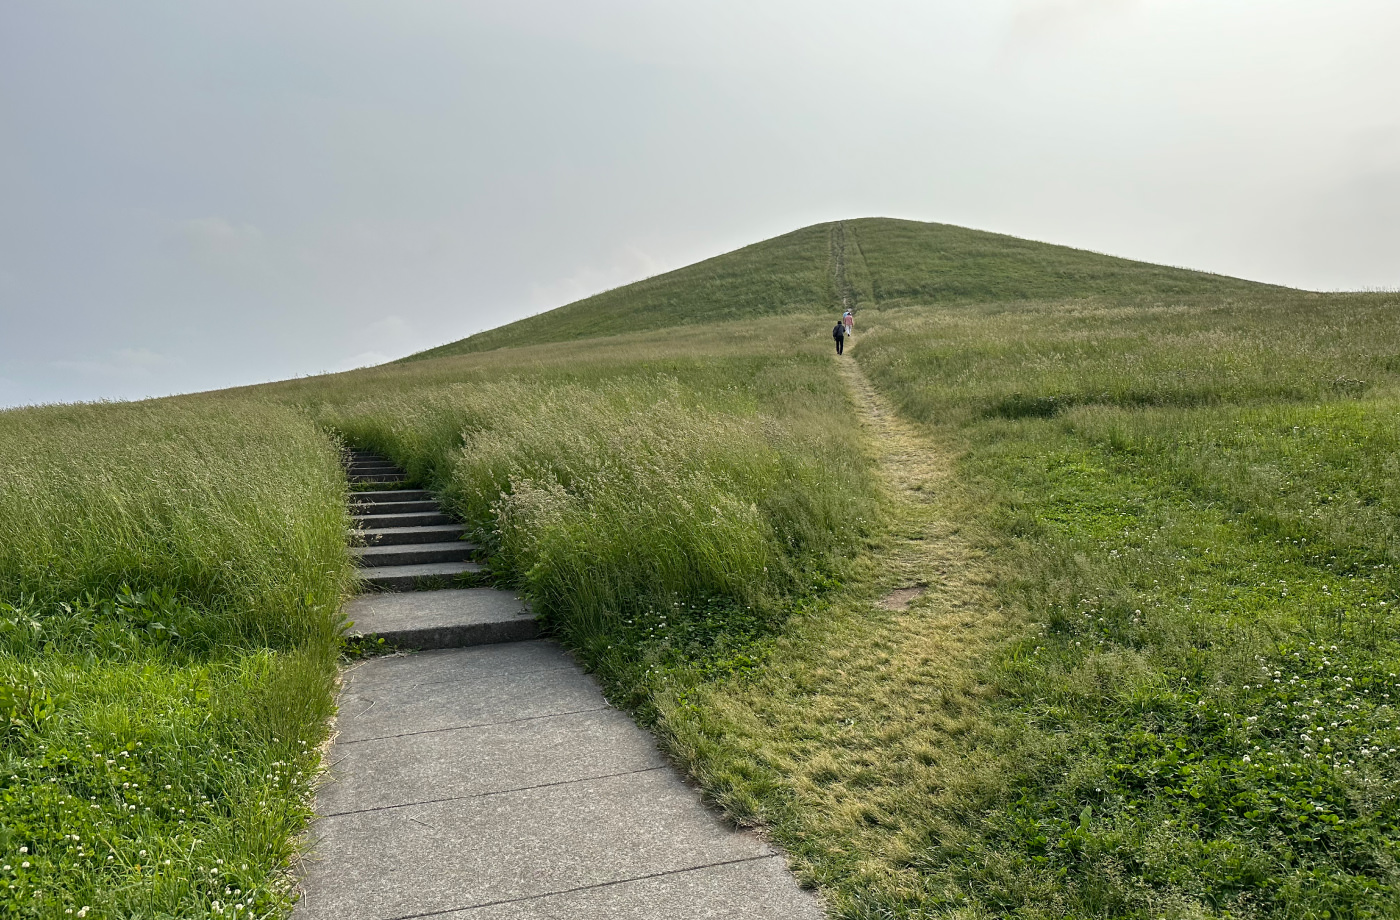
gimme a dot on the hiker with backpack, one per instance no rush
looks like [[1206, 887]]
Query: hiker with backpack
[[839, 334]]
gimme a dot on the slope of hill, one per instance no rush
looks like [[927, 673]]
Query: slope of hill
[[1069, 591], [865, 263]]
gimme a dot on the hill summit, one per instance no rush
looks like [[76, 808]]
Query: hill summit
[[866, 263]]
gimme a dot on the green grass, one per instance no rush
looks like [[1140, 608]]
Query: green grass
[[1152, 512], [870, 264], [663, 503], [903, 262], [1194, 512], [170, 579], [788, 274]]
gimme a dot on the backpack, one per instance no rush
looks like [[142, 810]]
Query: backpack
[[840, 331]]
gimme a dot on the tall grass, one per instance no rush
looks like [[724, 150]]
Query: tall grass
[[638, 502], [236, 507], [1036, 359], [170, 580]]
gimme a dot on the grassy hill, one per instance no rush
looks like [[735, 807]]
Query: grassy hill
[[868, 263], [1069, 591]]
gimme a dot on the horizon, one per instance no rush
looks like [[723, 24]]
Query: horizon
[[324, 373], [204, 198]]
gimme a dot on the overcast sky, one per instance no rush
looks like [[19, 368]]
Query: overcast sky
[[201, 194]]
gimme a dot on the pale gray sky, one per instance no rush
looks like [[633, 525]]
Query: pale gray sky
[[200, 194]]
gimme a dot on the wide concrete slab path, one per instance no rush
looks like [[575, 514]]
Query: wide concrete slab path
[[496, 782]]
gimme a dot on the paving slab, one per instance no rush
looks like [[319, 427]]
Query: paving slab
[[407, 673], [484, 759], [421, 859], [496, 782], [439, 697], [753, 889], [451, 618]]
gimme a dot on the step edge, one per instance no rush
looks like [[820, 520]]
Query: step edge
[[425, 638]]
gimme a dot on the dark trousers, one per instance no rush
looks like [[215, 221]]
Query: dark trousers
[[840, 344]]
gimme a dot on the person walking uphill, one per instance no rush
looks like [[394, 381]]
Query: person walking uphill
[[839, 334]]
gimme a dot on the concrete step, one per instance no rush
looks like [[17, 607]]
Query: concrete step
[[357, 468], [397, 536], [390, 495], [397, 507], [375, 477], [452, 618], [373, 522], [417, 577], [411, 553]]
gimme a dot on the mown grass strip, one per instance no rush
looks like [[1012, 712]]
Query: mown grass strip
[[1197, 714]]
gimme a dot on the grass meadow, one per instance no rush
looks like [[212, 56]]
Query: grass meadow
[[170, 581], [664, 502], [1192, 513], [172, 572], [1069, 592]]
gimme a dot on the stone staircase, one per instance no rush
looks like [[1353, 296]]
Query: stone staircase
[[495, 782], [404, 542]]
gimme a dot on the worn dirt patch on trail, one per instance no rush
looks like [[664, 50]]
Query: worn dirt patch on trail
[[901, 598]]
